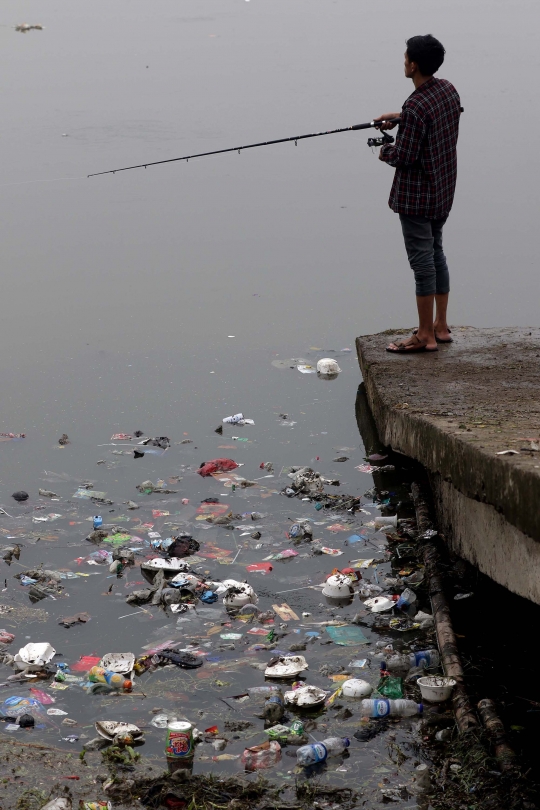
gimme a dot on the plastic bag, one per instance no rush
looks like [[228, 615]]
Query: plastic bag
[[217, 465], [390, 687]]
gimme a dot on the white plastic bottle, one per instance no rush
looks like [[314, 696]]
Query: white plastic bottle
[[426, 659], [395, 708], [336, 745], [308, 755]]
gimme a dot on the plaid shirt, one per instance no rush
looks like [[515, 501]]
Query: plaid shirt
[[424, 154]]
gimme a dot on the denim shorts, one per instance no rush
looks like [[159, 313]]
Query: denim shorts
[[423, 243]]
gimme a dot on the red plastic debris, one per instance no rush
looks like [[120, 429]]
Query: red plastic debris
[[85, 663], [259, 567], [217, 465]]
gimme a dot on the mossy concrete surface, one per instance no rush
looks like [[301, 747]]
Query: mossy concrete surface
[[455, 411]]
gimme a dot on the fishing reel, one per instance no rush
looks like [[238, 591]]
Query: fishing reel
[[381, 141]]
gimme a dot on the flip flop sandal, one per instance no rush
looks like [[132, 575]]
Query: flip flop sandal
[[449, 340], [409, 348]]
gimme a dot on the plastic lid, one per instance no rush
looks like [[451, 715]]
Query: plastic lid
[[346, 742], [420, 707]]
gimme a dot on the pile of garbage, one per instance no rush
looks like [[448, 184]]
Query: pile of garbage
[[307, 659]]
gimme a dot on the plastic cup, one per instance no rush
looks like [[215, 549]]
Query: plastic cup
[[382, 521], [436, 688]]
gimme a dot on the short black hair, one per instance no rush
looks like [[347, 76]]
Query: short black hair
[[427, 52]]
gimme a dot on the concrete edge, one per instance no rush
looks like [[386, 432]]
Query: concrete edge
[[512, 491]]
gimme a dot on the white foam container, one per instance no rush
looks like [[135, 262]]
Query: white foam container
[[305, 697], [34, 656], [436, 688], [121, 663], [338, 586]]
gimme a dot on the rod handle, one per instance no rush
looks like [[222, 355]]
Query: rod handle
[[375, 123]]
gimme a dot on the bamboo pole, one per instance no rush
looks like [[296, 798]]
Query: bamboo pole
[[495, 729], [465, 717]]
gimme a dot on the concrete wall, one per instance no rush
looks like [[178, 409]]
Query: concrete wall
[[427, 408], [480, 534]]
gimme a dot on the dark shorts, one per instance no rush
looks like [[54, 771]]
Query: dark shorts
[[423, 243]]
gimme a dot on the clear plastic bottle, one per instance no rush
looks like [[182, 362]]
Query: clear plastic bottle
[[406, 599], [336, 745], [425, 659], [264, 691], [396, 708], [308, 755]]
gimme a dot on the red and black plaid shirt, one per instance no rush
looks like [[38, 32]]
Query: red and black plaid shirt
[[425, 152]]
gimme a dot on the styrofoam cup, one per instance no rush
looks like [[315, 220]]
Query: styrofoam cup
[[436, 688]]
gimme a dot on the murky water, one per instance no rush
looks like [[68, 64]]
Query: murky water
[[52, 533]]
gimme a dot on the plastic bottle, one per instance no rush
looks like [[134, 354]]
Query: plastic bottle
[[114, 679], [265, 691], [426, 659], [406, 599], [336, 745], [274, 708], [308, 755], [98, 522], [396, 708], [274, 704]]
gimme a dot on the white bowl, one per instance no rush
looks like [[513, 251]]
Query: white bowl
[[338, 586], [239, 594], [327, 366], [436, 688]]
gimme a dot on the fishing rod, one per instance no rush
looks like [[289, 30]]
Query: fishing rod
[[385, 138]]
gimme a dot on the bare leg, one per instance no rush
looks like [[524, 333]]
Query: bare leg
[[425, 332], [440, 324]]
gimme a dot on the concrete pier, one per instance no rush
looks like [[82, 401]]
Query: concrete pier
[[455, 411]]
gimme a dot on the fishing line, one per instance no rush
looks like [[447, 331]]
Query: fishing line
[[52, 180], [371, 142]]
